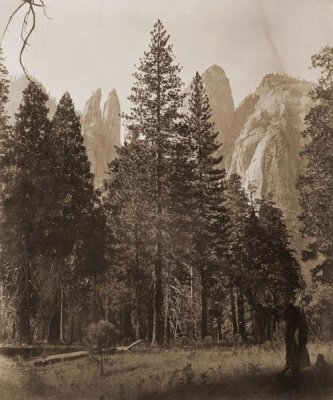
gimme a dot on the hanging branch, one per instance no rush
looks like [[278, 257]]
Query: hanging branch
[[26, 30]]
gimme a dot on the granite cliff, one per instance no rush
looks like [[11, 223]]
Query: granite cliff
[[101, 132], [223, 110], [262, 140]]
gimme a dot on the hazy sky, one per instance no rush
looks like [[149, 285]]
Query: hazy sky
[[95, 43]]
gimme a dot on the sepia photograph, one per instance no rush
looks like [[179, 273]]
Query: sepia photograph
[[166, 200]]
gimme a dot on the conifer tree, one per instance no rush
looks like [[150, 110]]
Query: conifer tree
[[155, 103], [72, 170], [4, 132], [4, 91], [71, 197], [316, 184], [208, 190], [283, 274], [128, 212], [272, 276], [25, 167], [235, 268]]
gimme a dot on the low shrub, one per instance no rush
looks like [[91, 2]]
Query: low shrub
[[100, 335]]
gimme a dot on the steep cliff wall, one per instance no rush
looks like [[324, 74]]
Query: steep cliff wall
[[101, 132]]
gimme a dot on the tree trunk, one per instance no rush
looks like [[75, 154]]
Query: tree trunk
[[72, 328], [54, 323], [107, 307], [61, 328], [126, 331], [166, 312], [79, 330], [233, 311], [219, 327], [241, 316], [191, 333], [204, 304], [24, 329], [24, 304], [150, 307], [158, 293], [135, 283]]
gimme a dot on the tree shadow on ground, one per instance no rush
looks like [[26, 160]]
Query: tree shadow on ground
[[311, 384]]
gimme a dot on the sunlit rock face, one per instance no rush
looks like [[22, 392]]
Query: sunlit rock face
[[101, 132], [266, 153], [222, 104], [262, 140]]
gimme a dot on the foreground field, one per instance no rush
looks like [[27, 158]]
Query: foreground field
[[196, 374]]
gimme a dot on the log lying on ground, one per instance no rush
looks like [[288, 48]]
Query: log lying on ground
[[41, 362], [112, 350]]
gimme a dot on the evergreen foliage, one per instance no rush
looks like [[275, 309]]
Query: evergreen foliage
[[156, 99], [25, 167], [208, 212], [316, 184]]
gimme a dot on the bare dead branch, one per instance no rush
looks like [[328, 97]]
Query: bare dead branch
[[25, 31], [32, 12], [24, 25], [10, 20]]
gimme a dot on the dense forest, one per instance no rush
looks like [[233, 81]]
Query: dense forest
[[170, 249]]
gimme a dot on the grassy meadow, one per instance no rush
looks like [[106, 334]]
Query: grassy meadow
[[217, 373]]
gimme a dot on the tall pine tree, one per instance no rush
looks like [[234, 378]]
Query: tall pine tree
[[5, 307], [208, 190], [129, 212], [25, 167], [71, 204], [236, 264], [156, 100]]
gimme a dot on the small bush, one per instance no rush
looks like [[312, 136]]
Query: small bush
[[101, 335], [208, 341]]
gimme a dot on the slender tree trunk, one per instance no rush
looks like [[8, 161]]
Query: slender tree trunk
[[79, 330], [24, 307], [191, 307], [150, 307], [233, 311], [137, 323], [158, 300], [54, 331], [126, 331], [219, 326], [107, 307], [72, 328], [54, 323], [204, 303], [241, 316], [61, 316], [166, 311]]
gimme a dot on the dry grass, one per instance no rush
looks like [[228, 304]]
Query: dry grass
[[196, 374]]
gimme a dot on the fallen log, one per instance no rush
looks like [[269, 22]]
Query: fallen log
[[41, 362], [121, 348], [56, 358]]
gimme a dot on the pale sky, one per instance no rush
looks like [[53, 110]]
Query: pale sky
[[92, 44]]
